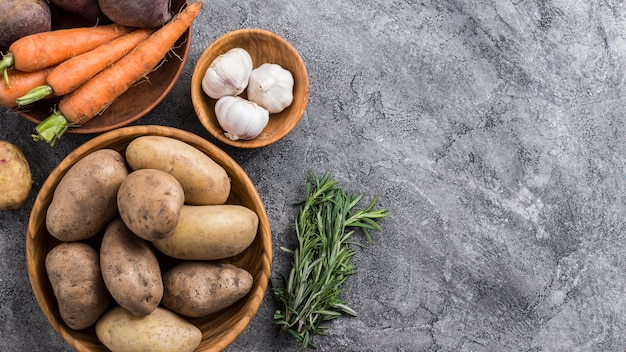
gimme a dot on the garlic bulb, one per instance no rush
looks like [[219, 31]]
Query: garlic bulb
[[228, 74], [271, 86], [240, 118]]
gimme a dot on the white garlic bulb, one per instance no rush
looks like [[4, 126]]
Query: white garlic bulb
[[240, 118], [228, 74], [271, 86]]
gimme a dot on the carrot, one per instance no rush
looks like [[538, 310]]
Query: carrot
[[99, 92], [73, 72], [42, 50], [19, 83]]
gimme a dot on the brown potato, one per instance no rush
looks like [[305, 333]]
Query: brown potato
[[85, 200], [197, 289], [15, 177], [130, 269], [74, 273], [203, 180], [149, 203], [160, 331], [208, 232]]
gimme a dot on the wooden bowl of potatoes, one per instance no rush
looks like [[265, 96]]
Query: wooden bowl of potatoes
[[110, 274]]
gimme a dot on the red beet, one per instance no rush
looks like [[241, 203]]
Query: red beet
[[137, 13], [88, 9], [19, 18]]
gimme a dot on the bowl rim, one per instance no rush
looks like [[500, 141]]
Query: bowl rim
[[197, 94], [254, 297]]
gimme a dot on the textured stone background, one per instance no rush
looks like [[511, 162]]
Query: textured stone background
[[493, 132]]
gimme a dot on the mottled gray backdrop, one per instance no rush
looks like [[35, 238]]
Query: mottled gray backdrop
[[492, 130]]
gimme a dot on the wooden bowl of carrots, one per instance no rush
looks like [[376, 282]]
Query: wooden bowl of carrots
[[219, 329], [264, 47], [137, 101]]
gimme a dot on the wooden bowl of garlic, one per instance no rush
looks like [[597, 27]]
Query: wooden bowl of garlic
[[250, 88]]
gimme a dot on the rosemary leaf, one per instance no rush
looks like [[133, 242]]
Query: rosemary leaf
[[322, 261]]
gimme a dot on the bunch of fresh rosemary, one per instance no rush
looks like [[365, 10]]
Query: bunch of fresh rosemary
[[322, 262]]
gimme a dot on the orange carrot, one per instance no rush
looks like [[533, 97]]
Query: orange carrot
[[99, 92], [20, 83], [73, 72], [42, 50]]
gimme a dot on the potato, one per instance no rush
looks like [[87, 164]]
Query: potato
[[15, 177], [74, 273], [85, 200], [208, 232], [197, 289], [204, 181], [130, 269], [19, 18], [137, 13], [160, 331], [149, 202]]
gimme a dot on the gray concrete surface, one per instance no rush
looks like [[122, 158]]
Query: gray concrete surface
[[492, 130]]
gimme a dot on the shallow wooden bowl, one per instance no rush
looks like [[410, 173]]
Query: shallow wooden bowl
[[219, 329], [264, 47], [137, 101]]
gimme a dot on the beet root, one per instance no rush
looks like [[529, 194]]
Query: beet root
[[137, 13], [87, 9], [19, 18]]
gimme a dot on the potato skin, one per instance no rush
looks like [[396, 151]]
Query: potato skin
[[160, 331], [85, 200], [130, 269], [149, 203], [197, 289], [16, 179], [209, 232], [74, 273], [204, 181]]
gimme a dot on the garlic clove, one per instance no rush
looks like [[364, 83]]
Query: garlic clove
[[240, 118], [271, 86], [228, 74]]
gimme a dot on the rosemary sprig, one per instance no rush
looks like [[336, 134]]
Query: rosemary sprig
[[321, 263]]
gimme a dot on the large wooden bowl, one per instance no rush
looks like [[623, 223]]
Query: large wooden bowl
[[219, 329], [137, 101], [264, 47]]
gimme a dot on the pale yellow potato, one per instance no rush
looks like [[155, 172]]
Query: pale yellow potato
[[203, 180], [15, 177], [198, 288], [149, 202], [208, 232], [85, 200], [160, 331], [74, 273], [130, 269]]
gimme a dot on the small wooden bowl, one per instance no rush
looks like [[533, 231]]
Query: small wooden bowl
[[137, 101], [219, 329], [264, 47]]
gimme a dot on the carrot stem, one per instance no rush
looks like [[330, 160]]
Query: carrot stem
[[51, 128], [34, 95], [6, 62]]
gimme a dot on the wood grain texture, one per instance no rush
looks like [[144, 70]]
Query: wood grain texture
[[219, 329], [264, 47]]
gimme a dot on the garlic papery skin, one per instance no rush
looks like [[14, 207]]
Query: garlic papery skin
[[271, 86], [228, 74], [240, 118]]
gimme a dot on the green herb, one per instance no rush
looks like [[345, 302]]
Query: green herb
[[322, 261]]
